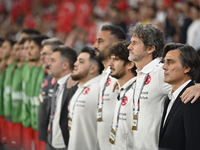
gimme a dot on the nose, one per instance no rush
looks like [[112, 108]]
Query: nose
[[95, 45], [164, 66]]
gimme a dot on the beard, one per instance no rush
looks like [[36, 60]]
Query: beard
[[119, 74], [80, 75]]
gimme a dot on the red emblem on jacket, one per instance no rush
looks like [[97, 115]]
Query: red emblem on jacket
[[86, 91], [148, 80], [125, 101], [53, 81], [45, 83], [108, 82]]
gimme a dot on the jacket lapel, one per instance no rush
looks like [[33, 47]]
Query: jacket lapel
[[65, 94], [175, 105]]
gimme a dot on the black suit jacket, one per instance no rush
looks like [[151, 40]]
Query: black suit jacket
[[67, 95], [182, 126], [43, 116]]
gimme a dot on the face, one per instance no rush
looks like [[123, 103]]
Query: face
[[46, 55], [103, 41], [174, 71], [34, 51], [118, 70], [81, 67], [55, 65], [137, 50], [16, 51], [25, 52], [6, 49]]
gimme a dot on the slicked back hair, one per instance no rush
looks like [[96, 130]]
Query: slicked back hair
[[116, 31], [188, 56], [53, 42]]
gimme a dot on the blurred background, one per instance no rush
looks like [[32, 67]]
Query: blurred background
[[77, 22]]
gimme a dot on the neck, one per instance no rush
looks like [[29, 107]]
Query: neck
[[66, 72], [105, 63], [38, 63], [141, 64], [175, 86], [9, 61], [126, 78], [86, 79], [19, 63]]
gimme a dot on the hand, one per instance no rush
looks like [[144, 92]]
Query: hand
[[115, 87], [191, 93], [71, 83]]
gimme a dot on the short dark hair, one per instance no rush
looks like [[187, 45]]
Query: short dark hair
[[116, 31], [38, 39], [67, 53], [30, 31], [53, 42], [151, 36], [188, 56], [120, 50], [93, 57]]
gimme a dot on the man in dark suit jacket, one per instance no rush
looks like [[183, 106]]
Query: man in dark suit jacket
[[180, 125], [46, 87], [60, 67]]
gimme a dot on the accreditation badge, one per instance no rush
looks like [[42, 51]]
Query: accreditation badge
[[112, 136], [135, 122], [99, 115], [69, 123]]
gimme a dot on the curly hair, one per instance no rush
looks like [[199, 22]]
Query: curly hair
[[120, 50], [151, 36]]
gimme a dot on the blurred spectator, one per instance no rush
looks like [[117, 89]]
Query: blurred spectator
[[194, 26], [186, 22]]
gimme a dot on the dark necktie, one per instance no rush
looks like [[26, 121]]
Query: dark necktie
[[53, 107]]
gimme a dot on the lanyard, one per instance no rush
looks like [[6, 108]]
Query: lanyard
[[145, 79], [75, 102], [122, 102], [104, 88]]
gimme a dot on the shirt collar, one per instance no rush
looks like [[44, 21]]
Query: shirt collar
[[150, 66], [127, 84], [63, 80], [91, 81], [173, 96]]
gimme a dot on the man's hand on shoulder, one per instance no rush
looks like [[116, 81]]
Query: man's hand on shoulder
[[191, 93]]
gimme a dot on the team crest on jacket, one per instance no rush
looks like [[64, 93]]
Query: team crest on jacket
[[45, 83], [53, 81], [108, 82], [148, 80], [86, 91], [125, 101]]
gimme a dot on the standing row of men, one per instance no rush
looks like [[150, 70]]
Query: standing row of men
[[129, 117], [91, 115]]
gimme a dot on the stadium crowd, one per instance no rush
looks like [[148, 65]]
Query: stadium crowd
[[96, 74]]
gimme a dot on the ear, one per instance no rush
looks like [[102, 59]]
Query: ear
[[151, 49], [65, 65], [130, 65], [186, 69], [93, 69]]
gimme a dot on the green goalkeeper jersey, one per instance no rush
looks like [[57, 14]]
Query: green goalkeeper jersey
[[7, 90], [27, 93], [17, 96], [37, 79]]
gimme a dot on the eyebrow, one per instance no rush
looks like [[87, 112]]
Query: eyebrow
[[81, 59]]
